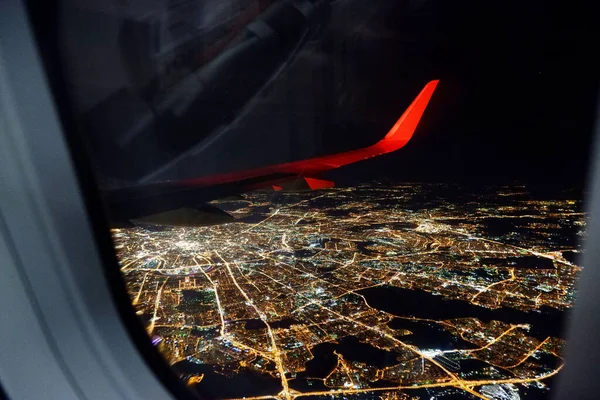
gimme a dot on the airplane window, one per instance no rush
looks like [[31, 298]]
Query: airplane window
[[341, 198]]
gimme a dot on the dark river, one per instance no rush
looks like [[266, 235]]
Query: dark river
[[401, 302], [417, 303]]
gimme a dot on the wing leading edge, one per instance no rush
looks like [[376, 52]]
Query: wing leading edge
[[396, 138]]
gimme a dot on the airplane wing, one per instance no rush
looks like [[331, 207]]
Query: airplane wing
[[184, 200]]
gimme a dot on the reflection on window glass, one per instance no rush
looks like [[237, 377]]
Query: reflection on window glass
[[333, 198]]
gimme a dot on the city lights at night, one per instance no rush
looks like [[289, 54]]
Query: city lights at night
[[393, 292]]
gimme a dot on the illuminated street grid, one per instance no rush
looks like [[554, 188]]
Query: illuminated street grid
[[296, 265]]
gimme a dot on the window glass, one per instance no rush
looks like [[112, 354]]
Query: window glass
[[341, 198]]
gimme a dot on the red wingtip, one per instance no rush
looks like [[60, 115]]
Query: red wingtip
[[395, 139], [404, 128]]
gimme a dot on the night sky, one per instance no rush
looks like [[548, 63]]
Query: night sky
[[516, 100]]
